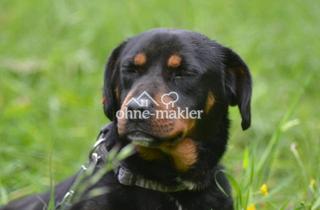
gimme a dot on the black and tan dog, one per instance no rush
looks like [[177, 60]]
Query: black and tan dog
[[175, 164]]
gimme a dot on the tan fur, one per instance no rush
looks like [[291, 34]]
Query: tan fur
[[174, 61], [122, 121], [149, 153], [140, 59], [117, 93], [184, 153], [171, 127], [210, 102]]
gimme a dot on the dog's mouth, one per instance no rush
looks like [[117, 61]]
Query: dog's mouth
[[144, 139]]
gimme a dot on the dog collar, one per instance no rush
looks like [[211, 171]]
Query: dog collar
[[126, 177]]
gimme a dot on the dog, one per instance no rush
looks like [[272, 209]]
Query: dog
[[175, 161]]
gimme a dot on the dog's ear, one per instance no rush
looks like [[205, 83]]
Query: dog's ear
[[111, 83], [238, 85]]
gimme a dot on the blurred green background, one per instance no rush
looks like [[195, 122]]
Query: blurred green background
[[52, 56]]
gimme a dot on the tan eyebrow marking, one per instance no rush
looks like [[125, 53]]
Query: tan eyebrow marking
[[174, 61], [210, 102], [140, 59]]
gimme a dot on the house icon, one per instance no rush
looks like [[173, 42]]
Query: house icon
[[143, 100]]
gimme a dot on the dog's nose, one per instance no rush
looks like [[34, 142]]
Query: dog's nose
[[140, 110], [137, 108]]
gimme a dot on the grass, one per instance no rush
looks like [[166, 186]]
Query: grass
[[52, 55]]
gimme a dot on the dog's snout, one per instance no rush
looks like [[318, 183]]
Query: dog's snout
[[140, 109]]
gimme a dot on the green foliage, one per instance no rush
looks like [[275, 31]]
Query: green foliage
[[52, 56]]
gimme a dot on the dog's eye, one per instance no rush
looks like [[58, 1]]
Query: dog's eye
[[178, 75], [130, 68]]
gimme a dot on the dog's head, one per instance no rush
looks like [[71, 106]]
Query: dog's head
[[162, 86]]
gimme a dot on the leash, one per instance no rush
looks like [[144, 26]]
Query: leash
[[98, 152], [126, 177]]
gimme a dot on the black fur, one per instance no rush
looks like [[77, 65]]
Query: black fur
[[206, 67]]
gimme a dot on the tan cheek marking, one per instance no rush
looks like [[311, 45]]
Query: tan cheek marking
[[149, 153], [117, 94], [184, 154], [179, 125], [140, 59], [210, 102], [174, 61], [122, 121]]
